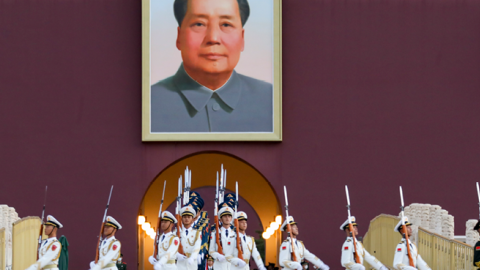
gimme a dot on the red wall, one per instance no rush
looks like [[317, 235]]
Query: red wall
[[376, 94]]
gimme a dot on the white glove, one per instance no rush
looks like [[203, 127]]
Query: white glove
[[220, 258], [181, 257], [383, 268], [152, 260], [358, 266], [261, 267], [157, 266], [199, 258], [191, 261], [296, 265], [92, 264], [32, 267], [409, 268], [96, 267], [325, 267], [238, 263]]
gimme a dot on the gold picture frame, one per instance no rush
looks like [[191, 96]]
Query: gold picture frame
[[276, 42]]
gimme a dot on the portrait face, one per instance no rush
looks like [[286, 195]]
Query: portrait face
[[242, 225], [211, 37], [210, 263], [187, 220]]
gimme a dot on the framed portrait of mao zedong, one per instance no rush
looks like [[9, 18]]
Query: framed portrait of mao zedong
[[211, 70]]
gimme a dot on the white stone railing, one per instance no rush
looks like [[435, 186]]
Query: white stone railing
[[7, 217]]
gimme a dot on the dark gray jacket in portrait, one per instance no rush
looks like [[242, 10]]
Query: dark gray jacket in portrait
[[180, 104]]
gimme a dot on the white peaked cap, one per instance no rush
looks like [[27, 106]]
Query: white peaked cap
[[53, 221], [242, 215], [284, 225], [354, 223], [227, 210], [169, 216], [188, 210], [113, 223], [399, 224]]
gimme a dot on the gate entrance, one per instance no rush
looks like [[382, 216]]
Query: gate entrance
[[254, 189]]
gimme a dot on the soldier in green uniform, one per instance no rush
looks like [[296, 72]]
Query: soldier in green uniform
[[476, 249], [121, 265]]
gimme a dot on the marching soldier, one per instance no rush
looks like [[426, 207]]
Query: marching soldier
[[285, 256], [191, 240], [248, 243], [109, 248], [168, 244], [476, 249], [348, 250], [401, 259], [50, 249], [227, 240], [201, 223]]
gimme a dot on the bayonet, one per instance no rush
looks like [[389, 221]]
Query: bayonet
[[350, 227]]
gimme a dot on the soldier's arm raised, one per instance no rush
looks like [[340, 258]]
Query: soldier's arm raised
[[421, 264], [314, 259], [256, 256]]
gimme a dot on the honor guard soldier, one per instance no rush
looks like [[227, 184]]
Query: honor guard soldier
[[401, 259], [348, 250], [201, 223], [227, 240], [109, 248], [168, 244], [248, 243], [285, 256], [50, 249], [191, 240], [476, 249]]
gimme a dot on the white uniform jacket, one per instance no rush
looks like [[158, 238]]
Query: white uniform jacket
[[48, 255], [229, 245], [191, 242], [109, 254], [285, 256], [249, 249], [348, 257], [401, 262], [167, 251]]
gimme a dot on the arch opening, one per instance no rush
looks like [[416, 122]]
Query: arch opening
[[254, 188]]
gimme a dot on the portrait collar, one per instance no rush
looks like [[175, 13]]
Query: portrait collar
[[199, 95]]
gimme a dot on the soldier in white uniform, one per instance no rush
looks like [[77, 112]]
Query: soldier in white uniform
[[228, 241], [191, 240], [168, 244], [401, 260], [109, 247], [248, 243], [348, 251], [50, 249], [285, 256]]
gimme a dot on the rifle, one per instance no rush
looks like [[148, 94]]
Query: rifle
[[177, 214], [41, 226], [217, 226], [350, 227], [186, 190], [239, 243], [478, 193], [289, 228], [405, 234], [102, 227], [157, 236]]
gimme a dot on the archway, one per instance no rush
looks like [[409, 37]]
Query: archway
[[253, 188]]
